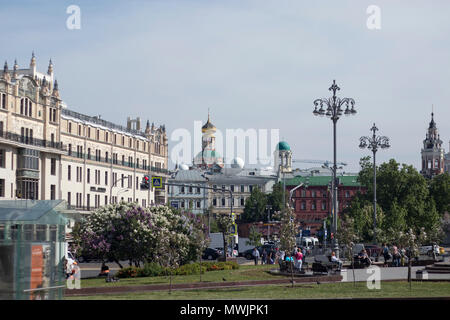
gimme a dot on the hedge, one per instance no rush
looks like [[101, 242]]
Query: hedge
[[155, 270]]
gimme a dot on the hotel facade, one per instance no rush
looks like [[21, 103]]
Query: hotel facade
[[48, 151]]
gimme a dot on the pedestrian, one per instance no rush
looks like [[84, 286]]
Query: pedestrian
[[282, 255], [386, 254], [395, 256], [299, 259], [255, 255], [264, 257]]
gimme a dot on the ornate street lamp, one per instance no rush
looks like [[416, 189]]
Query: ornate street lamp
[[373, 143], [334, 112]]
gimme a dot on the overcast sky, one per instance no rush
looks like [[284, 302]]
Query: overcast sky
[[255, 63]]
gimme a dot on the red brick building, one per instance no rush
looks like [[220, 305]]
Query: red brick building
[[313, 204]]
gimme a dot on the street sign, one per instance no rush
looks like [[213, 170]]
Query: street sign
[[233, 229], [157, 182], [174, 204]]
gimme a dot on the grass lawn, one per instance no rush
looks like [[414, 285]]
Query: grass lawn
[[242, 274], [398, 289]]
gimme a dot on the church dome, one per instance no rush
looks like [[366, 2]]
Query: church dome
[[283, 146], [237, 163]]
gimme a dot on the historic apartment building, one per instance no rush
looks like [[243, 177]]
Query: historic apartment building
[[50, 152]]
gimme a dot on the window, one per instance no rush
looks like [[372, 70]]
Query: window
[[198, 190], [198, 204], [70, 127], [303, 205], [2, 158], [1, 128], [324, 205], [313, 205], [242, 188], [98, 134], [79, 130], [2, 188], [69, 149], [69, 198], [3, 101], [106, 136], [313, 193], [303, 193], [89, 153], [88, 176], [215, 202], [106, 156], [69, 172], [242, 202], [232, 188], [223, 202], [106, 178], [182, 190], [53, 167], [52, 192], [347, 194]]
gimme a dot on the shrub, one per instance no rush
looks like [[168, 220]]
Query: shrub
[[129, 272], [152, 269], [188, 269]]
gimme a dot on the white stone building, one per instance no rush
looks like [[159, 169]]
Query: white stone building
[[50, 152]]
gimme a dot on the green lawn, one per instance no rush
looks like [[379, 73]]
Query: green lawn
[[301, 291], [242, 274]]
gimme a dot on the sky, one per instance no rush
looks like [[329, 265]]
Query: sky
[[256, 64]]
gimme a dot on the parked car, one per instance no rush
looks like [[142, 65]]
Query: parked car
[[210, 254], [428, 249]]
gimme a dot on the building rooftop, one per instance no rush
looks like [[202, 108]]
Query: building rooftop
[[347, 181]]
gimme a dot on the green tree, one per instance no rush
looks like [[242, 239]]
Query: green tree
[[224, 223], [402, 194], [440, 192], [255, 207], [275, 199], [254, 237]]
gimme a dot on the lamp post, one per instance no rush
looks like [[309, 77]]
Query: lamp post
[[334, 112], [373, 143]]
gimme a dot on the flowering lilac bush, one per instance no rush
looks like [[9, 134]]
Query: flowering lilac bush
[[126, 231]]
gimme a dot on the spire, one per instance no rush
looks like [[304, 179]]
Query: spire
[[50, 67], [55, 92], [33, 60], [6, 74], [432, 123], [147, 127], [16, 66]]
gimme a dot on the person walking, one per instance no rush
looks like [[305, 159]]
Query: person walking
[[386, 254], [264, 257], [255, 255], [299, 259], [395, 256]]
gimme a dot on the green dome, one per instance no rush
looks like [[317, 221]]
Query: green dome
[[283, 145]]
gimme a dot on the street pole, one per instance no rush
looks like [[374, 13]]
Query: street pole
[[334, 111], [373, 143]]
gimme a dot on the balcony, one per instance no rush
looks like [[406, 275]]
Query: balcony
[[14, 137]]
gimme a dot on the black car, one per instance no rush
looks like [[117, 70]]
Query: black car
[[210, 254]]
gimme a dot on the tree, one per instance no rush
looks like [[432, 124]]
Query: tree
[[287, 234], [255, 207], [224, 223], [402, 194], [440, 192], [275, 198], [126, 231], [254, 237]]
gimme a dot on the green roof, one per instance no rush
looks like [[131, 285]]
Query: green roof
[[347, 181], [283, 145]]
